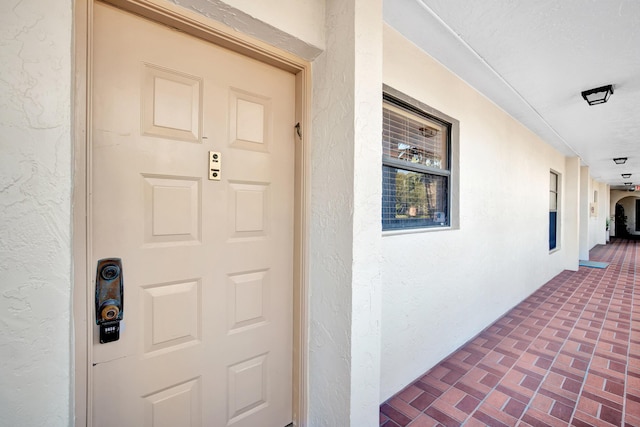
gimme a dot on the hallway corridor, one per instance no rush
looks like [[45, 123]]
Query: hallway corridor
[[567, 355]]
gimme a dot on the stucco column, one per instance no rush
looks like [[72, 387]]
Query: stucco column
[[570, 213], [584, 213], [345, 230], [603, 213]]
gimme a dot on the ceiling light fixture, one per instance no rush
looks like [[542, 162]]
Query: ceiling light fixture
[[628, 183], [599, 95], [620, 160], [626, 175]]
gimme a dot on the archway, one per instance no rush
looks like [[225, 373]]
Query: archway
[[629, 200]]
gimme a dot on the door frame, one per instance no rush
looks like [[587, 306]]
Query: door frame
[[216, 33]]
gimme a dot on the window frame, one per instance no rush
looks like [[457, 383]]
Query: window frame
[[412, 106], [556, 192]]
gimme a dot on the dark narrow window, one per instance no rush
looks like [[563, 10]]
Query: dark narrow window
[[416, 171], [553, 210]]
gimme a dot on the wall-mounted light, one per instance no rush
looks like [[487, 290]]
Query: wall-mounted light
[[628, 183], [626, 175], [599, 95], [620, 160]]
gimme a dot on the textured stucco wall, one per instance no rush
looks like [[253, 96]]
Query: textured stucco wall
[[441, 288], [296, 26], [592, 227], [308, 22], [570, 213], [585, 218], [344, 240], [597, 225], [604, 209], [35, 188], [367, 198]]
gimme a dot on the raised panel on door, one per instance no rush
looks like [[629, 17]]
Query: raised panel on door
[[208, 264]]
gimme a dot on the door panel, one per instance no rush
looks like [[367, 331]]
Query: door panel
[[207, 332]]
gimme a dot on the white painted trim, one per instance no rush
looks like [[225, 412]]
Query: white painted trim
[[82, 40], [199, 26], [301, 251]]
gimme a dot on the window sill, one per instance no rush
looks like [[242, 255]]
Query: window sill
[[401, 232]]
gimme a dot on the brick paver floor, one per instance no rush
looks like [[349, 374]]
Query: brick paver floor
[[567, 355]]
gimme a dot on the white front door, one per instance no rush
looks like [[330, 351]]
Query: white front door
[[206, 338]]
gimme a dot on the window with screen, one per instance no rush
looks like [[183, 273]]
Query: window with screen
[[416, 170]]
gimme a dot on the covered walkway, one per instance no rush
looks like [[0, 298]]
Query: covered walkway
[[567, 355]]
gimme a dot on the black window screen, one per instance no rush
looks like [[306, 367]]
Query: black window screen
[[415, 171]]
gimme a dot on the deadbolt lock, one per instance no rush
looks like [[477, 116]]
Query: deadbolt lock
[[109, 298]]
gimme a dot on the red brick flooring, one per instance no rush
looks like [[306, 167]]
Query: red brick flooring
[[567, 355]]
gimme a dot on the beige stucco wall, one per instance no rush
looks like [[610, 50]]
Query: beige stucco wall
[[35, 200], [440, 288], [344, 239], [297, 26]]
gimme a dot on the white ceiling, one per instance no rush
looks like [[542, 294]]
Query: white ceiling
[[534, 58]]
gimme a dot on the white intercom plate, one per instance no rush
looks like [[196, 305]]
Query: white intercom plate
[[215, 162]]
